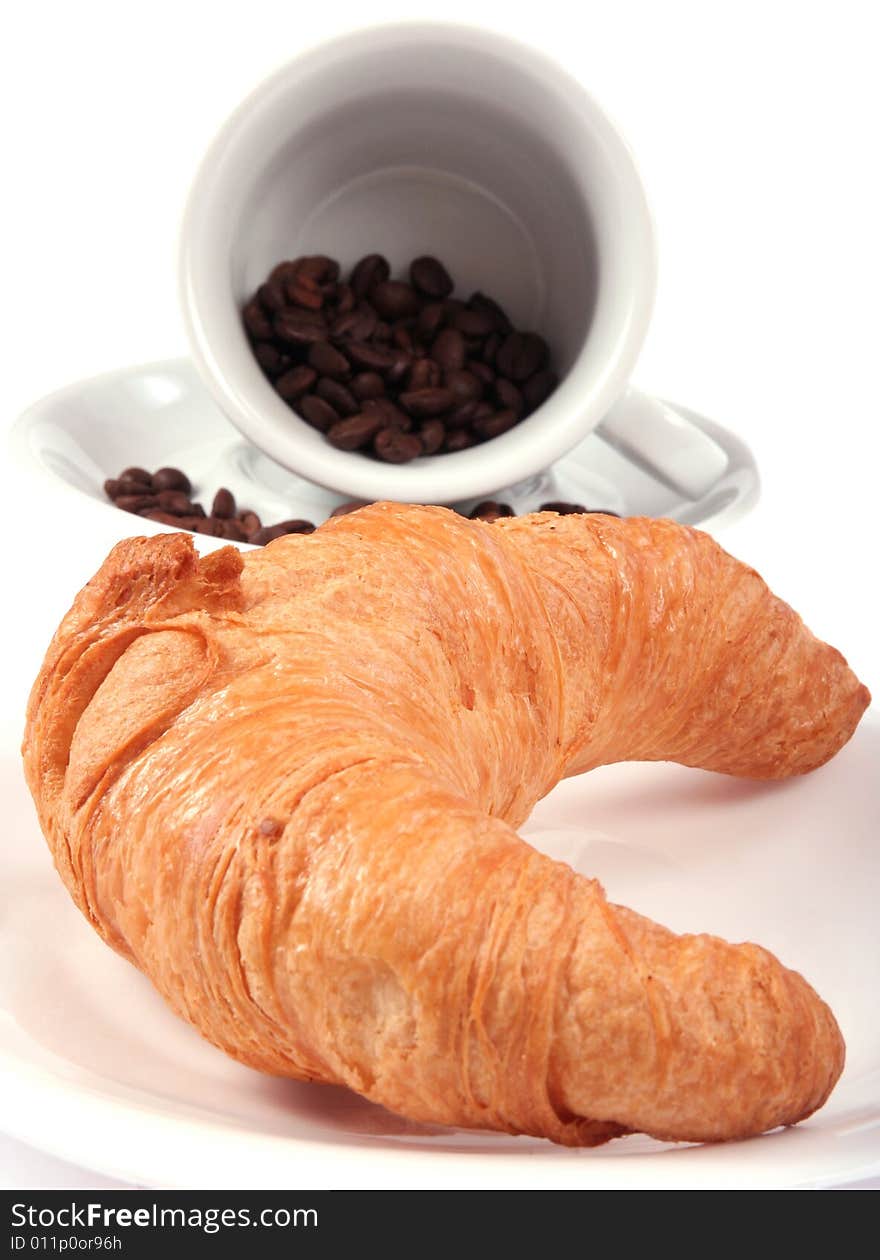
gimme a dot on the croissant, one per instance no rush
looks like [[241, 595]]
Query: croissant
[[285, 785]]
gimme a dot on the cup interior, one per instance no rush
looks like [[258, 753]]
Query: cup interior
[[414, 140]]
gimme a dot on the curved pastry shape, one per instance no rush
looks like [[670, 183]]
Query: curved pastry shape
[[285, 785]]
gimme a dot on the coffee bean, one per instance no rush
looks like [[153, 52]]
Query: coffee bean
[[370, 271], [431, 435], [449, 350], [382, 333], [317, 412], [136, 503], [272, 296], [171, 479], [266, 534], [482, 372], [563, 509], [390, 414], [521, 355], [270, 358], [283, 272], [306, 292], [175, 502], [344, 299], [137, 475], [335, 393], [491, 346], [327, 361], [474, 323], [458, 440], [231, 529], [421, 375], [296, 382], [356, 325], [509, 397], [367, 385], [345, 508], [428, 402], [374, 358], [462, 415], [168, 518], [430, 277], [465, 386], [318, 267], [298, 328], [430, 321], [256, 321], [249, 522], [111, 487], [487, 306], [355, 432], [125, 485], [538, 389], [224, 503], [395, 300], [396, 447], [403, 339], [296, 527], [494, 426], [490, 511]]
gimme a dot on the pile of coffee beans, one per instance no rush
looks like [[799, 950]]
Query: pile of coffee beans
[[166, 496], [394, 368]]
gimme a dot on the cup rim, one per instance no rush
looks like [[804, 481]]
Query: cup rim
[[573, 410]]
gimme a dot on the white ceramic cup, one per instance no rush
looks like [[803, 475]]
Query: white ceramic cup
[[454, 141]]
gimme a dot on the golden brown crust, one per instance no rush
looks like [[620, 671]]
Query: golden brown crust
[[285, 785]]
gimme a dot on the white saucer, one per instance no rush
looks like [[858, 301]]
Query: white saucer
[[160, 414]]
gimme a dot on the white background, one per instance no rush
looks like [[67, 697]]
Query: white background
[[755, 126]]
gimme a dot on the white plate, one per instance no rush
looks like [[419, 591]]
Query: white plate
[[161, 414], [97, 1070]]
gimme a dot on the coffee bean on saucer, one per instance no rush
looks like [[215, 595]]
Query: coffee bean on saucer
[[175, 502], [138, 475], [297, 526], [171, 479], [224, 504], [136, 503], [490, 511], [249, 522], [344, 509], [563, 509]]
